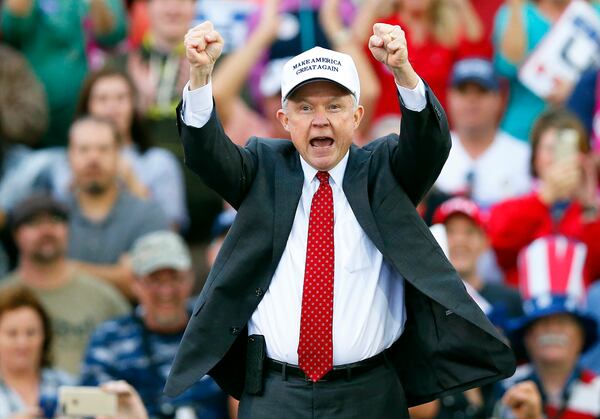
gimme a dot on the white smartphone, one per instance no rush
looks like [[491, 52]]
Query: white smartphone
[[566, 145], [86, 401]]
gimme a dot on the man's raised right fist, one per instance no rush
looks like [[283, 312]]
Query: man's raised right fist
[[203, 45]]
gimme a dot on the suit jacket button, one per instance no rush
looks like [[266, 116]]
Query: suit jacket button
[[234, 331], [259, 292]]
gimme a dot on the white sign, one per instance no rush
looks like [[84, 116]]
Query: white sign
[[571, 47], [229, 17]]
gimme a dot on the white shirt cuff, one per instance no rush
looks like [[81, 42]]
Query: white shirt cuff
[[413, 99], [197, 105]]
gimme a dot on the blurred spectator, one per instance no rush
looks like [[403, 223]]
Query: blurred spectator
[[158, 67], [519, 27], [105, 219], [552, 334], [467, 242], [240, 120], [111, 94], [565, 200], [140, 348], [28, 383], [75, 301], [485, 163], [146, 171], [159, 71], [51, 35], [438, 33]]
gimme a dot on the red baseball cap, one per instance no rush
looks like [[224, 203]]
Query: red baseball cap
[[459, 205]]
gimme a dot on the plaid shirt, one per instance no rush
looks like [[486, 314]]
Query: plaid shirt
[[123, 349]]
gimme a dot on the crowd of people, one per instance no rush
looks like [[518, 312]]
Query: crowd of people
[[106, 236]]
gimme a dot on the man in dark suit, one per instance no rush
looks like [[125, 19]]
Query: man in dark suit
[[329, 298]]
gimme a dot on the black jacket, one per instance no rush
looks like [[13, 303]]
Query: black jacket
[[448, 344]]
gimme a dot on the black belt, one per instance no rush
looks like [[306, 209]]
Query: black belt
[[346, 371]]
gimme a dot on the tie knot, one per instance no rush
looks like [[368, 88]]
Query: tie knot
[[323, 177]]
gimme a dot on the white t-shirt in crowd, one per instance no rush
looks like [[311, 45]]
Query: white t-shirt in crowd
[[501, 172]]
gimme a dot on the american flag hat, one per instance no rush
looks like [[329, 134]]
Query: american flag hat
[[551, 281]]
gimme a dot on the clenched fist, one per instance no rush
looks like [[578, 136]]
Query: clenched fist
[[388, 45], [203, 46]]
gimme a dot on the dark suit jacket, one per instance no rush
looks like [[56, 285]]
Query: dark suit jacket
[[448, 344]]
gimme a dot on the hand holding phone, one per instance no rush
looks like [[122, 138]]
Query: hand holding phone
[[130, 405], [86, 401]]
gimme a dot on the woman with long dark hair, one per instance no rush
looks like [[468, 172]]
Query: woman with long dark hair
[[153, 171]]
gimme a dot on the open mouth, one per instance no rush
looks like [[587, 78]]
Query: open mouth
[[321, 142]]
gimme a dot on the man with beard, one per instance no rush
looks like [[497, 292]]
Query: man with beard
[[75, 301], [105, 218], [140, 348], [552, 334]]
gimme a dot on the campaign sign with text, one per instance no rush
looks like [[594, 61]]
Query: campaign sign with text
[[571, 47]]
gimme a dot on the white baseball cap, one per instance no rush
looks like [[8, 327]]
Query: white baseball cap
[[320, 64]]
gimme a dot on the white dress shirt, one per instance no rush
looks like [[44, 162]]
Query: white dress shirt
[[368, 303]]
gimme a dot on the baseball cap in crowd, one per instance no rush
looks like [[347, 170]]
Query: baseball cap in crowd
[[475, 70], [551, 281], [160, 250], [36, 205], [459, 205], [320, 64]]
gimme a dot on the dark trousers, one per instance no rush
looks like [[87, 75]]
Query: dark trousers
[[375, 394]]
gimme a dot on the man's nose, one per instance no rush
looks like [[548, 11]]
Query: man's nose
[[320, 120]]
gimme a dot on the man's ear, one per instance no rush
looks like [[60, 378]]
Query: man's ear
[[358, 115], [283, 119]]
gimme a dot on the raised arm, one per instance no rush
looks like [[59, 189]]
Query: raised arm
[[342, 39], [514, 40], [419, 155], [109, 21], [17, 20], [224, 166], [233, 71]]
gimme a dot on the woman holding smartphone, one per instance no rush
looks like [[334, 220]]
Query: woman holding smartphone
[[28, 384], [564, 201]]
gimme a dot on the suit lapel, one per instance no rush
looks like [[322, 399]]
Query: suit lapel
[[355, 187], [288, 189]]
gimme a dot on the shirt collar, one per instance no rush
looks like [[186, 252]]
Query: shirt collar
[[337, 173]]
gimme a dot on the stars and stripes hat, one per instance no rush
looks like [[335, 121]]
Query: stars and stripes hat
[[551, 281]]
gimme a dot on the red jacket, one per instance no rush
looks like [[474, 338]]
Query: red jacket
[[515, 223]]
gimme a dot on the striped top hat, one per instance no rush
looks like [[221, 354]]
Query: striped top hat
[[551, 281]]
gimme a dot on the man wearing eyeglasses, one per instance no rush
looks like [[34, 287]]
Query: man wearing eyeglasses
[[140, 348]]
